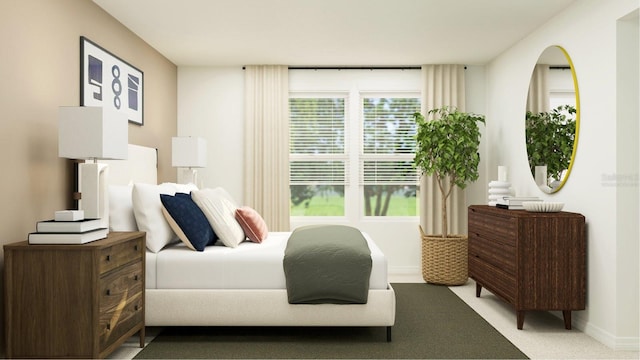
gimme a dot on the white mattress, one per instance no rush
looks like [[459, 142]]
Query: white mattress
[[248, 266]]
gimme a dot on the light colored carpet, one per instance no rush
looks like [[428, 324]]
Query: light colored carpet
[[543, 335]]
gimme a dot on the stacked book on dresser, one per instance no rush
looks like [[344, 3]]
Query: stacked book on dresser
[[515, 202], [68, 227]]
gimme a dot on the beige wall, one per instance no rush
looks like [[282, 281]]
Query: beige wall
[[39, 71]]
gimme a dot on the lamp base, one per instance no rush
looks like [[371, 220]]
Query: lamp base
[[188, 176], [94, 196]]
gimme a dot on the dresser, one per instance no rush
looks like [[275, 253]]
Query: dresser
[[533, 261], [74, 301]]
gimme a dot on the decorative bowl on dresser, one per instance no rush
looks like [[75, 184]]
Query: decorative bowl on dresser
[[532, 260], [74, 301]]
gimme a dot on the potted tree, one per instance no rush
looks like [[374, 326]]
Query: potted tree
[[447, 148]]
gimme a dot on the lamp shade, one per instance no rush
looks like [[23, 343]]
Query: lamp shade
[[89, 132], [188, 152]]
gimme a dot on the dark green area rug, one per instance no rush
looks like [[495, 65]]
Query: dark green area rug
[[431, 323]]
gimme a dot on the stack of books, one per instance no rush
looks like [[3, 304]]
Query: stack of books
[[68, 227], [515, 202]]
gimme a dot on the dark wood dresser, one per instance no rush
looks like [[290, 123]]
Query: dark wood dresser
[[74, 301], [534, 261]]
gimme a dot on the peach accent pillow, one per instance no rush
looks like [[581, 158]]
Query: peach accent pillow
[[252, 223]]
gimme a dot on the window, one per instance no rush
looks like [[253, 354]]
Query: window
[[352, 137], [388, 178], [318, 158]]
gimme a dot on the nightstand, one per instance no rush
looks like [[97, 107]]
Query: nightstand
[[79, 301]]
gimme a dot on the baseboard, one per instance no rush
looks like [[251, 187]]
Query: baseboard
[[616, 343], [404, 270]]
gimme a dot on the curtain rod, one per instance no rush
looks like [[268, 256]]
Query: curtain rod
[[354, 68]]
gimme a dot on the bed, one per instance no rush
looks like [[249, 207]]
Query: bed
[[243, 285]]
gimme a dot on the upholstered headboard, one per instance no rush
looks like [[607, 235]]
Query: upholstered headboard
[[141, 166]]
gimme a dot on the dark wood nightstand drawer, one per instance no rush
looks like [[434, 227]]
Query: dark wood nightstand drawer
[[119, 286], [121, 254], [119, 320]]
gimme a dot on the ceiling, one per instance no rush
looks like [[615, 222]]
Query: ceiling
[[331, 32]]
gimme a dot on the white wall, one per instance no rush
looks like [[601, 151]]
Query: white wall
[[587, 30], [211, 105], [627, 165]]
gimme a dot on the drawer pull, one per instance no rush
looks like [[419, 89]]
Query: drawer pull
[[135, 247], [108, 326], [108, 257], [108, 292], [136, 308], [135, 277]]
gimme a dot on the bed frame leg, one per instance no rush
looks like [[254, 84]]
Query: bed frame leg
[[388, 333]]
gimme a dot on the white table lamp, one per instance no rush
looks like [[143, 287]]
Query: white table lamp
[[189, 152], [92, 133]]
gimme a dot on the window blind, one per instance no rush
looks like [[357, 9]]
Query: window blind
[[317, 141], [389, 142]]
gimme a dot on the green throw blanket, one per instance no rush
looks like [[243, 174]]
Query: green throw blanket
[[327, 264]]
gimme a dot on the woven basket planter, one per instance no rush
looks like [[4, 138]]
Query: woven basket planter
[[444, 260]]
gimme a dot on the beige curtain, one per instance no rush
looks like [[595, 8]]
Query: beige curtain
[[538, 99], [266, 157], [442, 85]]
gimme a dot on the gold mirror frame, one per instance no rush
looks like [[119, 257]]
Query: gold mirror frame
[[545, 187]]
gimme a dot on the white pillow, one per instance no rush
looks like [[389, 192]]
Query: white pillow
[[220, 210], [121, 216], [147, 208]]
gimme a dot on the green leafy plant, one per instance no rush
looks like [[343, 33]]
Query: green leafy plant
[[447, 147], [550, 137]]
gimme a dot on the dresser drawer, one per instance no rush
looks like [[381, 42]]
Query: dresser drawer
[[120, 285], [500, 255], [494, 279], [121, 302], [120, 254], [113, 325], [495, 227]]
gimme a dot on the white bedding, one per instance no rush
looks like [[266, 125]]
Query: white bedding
[[248, 266], [181, 283]]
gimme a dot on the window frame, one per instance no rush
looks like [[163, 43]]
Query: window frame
[[364, 157], [355, 84]]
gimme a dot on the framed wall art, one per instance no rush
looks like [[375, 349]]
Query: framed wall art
[[108, 81]]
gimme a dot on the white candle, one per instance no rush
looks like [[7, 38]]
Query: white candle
[[502, 173], [541, 175]]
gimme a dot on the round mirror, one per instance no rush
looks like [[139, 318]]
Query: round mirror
[[552, 119]]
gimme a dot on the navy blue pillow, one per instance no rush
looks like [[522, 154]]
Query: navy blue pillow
[[190, 219]]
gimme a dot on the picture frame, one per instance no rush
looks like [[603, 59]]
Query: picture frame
[[108, 81]]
